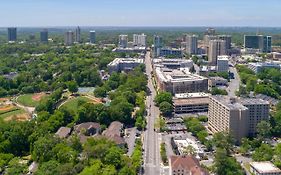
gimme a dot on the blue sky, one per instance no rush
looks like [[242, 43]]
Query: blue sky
[[140, 13]]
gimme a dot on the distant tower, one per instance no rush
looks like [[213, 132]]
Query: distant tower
[[123, 41], [191, 44], [139, 40], [216, 48], [69, 38], [92, 37], [12, 34], [78, 35], [44, 36], [210, 31], [158, 44]]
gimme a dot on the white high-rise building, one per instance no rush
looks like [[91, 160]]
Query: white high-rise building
[[69, 38], [216, 48], [123, 41], [222, 63], [139, 40], [191, 44], [78, 35]]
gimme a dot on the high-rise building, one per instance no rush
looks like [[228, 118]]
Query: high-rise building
[[210, 31], [123, 41], [158, 44], [267, 42], [191, 44], [44, 36], [237, 116], [92, 37], [78, 35], [69, 38], [216, 48], [263, 43], [227, 39], [139, 40], [12, 34], [222, 63]]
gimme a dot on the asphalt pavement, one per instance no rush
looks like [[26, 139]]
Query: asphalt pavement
[[152, 139]]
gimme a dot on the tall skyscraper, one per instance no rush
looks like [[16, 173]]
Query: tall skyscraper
[[158, 44], [12, 34], [123, 41], [78, 35], [227, 39], [267, 43], [263, 43], [216, 48], [191, 44], [92, 37], [69, 38], [139, 40], [44, 36]]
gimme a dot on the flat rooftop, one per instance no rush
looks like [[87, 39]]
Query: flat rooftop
[[191, 101], [125, 60], [177, 75], [265, 167], [223, 57], [248, 101], [192, 95], [231, 103]]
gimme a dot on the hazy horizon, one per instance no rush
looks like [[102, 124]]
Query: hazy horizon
[[50, 13]]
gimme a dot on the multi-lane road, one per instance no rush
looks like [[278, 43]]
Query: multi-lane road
[[151, 138]]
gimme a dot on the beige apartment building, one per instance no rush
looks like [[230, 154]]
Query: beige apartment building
[[238, 116], [179, 81]]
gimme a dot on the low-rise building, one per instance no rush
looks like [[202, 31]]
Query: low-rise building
[[191, 103], [258, 67], [133, 49], [124, 64], [185, 165], [171, 52], [180, 81], [217, 81], [276, 55], [174, 63], [264, 168], [63, 132], [115, 133]]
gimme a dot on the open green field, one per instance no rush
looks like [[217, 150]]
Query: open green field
[[12, 113], [72, 104], [30, 100]]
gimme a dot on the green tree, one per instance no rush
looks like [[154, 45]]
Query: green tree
[[72, 86], [48, 168], [224, 141], [163, 97], [166, 108], [264, 129], [245, 145], [15, 167], [226, 165], [100, 92], [263, 153]]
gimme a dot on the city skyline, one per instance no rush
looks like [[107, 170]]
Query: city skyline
[[26, 13]]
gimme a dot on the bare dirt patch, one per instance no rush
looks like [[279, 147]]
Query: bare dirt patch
[[6, 107], [38, 96], [18, 117]]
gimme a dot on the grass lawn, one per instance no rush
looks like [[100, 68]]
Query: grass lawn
[[27, 100], [72, 104], [8, 114]]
